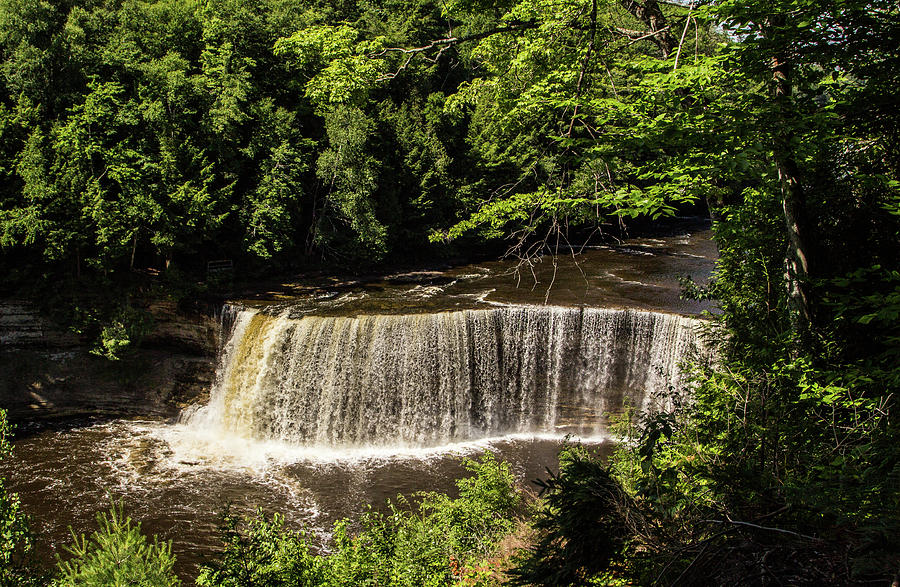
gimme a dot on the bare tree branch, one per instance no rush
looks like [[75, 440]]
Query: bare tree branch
[[687, 23], [651, 15], [442, 45], [636, 36], [767, 528]]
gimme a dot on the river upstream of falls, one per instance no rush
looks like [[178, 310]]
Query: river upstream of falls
[[324, 405]]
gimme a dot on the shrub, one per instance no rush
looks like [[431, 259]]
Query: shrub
[[15, 539], [582, 525], [262, 553], [117, 554], [434, 541]]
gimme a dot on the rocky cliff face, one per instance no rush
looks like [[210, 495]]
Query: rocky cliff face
[[48, 373], [21, 327]]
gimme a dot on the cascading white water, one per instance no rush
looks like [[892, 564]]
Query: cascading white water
[[431, 379]]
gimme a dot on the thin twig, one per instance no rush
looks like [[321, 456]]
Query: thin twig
[[768, 528], [687, 23], [644, 35]]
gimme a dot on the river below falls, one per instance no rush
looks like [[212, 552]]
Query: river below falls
[[176, 483], [176, 478]]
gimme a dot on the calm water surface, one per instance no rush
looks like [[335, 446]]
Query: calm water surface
[[641, 273]]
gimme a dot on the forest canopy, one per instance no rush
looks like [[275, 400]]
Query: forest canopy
[[136, 133]]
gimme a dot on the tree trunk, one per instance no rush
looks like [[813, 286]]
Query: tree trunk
[[133, 249], [796, 259]]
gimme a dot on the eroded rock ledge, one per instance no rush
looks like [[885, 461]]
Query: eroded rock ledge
[[47, 373]]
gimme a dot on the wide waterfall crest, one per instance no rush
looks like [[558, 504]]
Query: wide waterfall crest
[[432, 379]]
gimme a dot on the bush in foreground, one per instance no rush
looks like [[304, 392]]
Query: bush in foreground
[[15, 538], [435, 541]]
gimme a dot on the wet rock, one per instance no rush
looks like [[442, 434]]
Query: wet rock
[[191, 332]]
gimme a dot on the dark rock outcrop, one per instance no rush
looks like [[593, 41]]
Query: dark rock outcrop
[[48, 373]]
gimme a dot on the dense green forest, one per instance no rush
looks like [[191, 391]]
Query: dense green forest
[[287, 133], [136, 134]]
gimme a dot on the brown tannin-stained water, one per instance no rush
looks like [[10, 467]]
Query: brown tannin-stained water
[[331, 402], [176, 486], [641, 273]]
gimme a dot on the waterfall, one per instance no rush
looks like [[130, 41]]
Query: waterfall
[[431, 379]]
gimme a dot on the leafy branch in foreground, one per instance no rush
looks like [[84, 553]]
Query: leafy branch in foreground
[[15, 538]]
